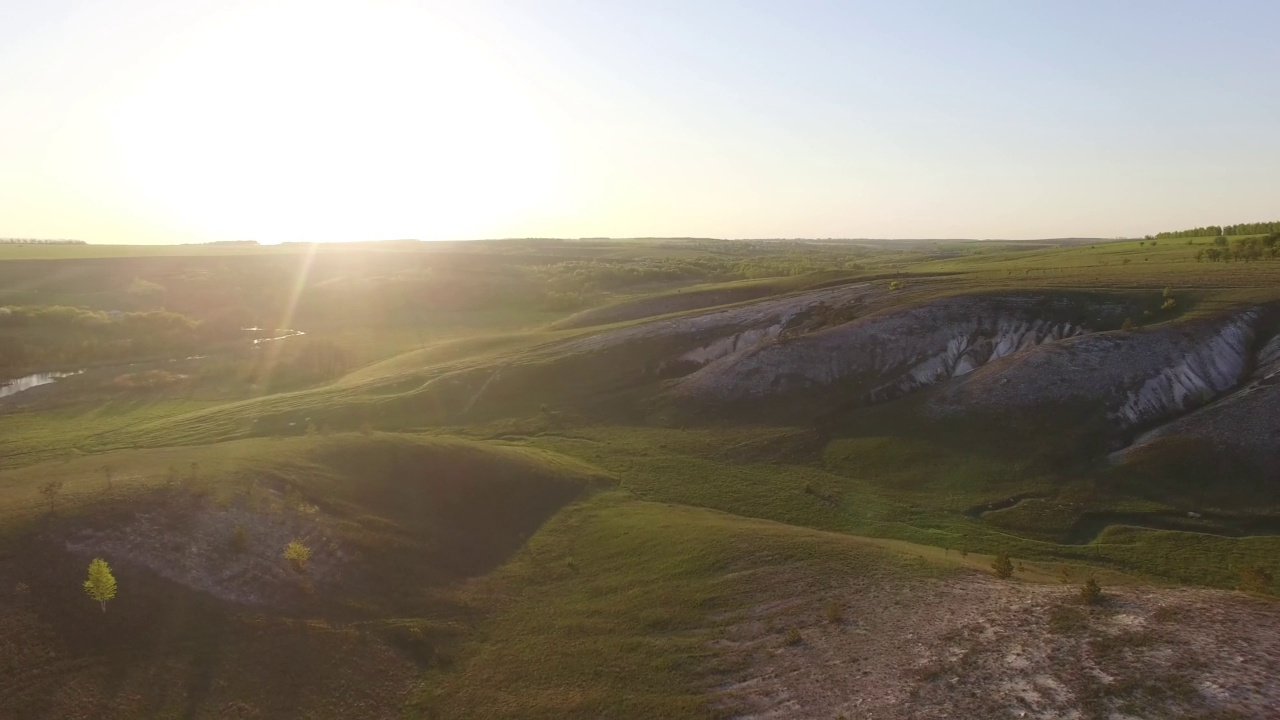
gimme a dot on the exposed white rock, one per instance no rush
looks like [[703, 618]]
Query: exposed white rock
[[1245, 422], [1204, 371], [737, 342], [726, 327], [1134, 377], [1269, 359], [887, 354]]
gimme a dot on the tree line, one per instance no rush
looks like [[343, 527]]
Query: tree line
[[1258, 228], [1245, 249], [32, 241]]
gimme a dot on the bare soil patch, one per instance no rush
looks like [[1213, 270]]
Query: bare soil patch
[[971, 646]]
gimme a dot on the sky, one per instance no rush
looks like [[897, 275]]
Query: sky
[[132, 121]]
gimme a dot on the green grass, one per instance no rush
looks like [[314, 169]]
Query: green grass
[[67, 432], [723, 469], [1113, 265], [610, 610]]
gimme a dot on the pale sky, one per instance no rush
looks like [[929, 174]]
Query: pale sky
[[273, 120]]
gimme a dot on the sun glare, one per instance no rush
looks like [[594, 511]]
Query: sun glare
[[310, 122]]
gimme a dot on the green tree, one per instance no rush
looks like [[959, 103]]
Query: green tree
[[1003, 566], [101, 585]]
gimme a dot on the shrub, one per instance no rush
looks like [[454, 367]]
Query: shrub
[[1255, 580], [1003, 566], [1065, 620], [1091, 592], [239, 539], [297, 554], [1168, 304], [793, 637], [835, 613]]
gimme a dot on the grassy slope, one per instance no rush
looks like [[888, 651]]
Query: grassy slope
[[418, 513], [608, 611], [893, 487]]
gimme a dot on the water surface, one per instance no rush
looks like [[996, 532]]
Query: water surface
[[17, 385]]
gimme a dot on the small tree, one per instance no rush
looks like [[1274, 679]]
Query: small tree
[[1003, 566], [297, 554], [106, 473], [1091, 592], [101, 585], [51, 490]]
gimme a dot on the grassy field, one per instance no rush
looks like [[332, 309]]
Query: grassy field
[[569, 547]]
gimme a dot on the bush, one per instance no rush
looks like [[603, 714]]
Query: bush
[[1003, 566], [1255, 580], [297, 554], [793, 637], [1091, 592], [835, 614]]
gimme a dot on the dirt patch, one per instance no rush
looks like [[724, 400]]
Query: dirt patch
[[975, 647], [231, 550]]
